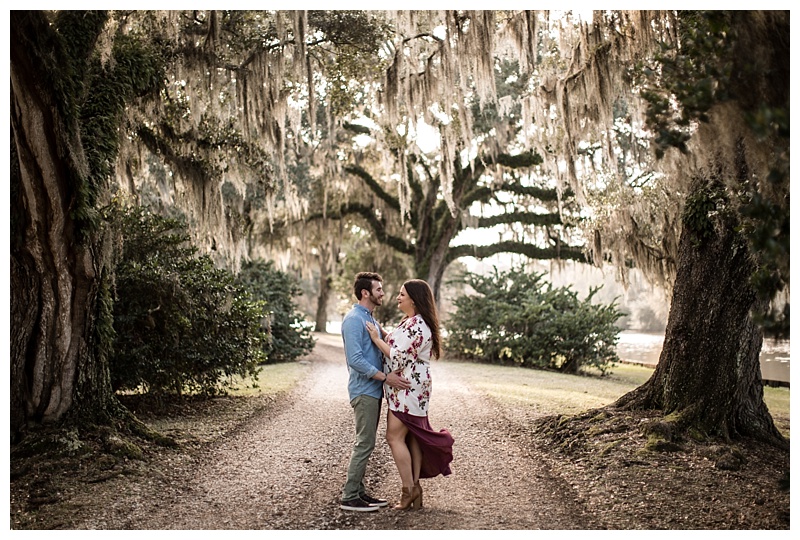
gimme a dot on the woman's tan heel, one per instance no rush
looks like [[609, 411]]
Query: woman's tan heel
[[406, 499], [410, 498], [418, 492]]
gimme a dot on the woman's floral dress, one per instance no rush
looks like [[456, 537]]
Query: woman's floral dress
[[410, 353]]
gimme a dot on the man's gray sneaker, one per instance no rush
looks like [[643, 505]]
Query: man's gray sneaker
[[372, 501], [357, 505]]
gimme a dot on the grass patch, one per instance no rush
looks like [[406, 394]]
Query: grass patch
[[272, 379], [549, 392], [557, 393], [777, 400], [195, 419]]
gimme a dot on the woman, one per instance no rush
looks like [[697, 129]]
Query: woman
[[418, 450]]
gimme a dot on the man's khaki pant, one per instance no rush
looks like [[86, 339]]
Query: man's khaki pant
[[367, 411]]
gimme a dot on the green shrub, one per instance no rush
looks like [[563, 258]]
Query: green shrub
[[518, 318], [181, 324], [291, 336]]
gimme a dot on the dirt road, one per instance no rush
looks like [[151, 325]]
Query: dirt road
[[284, 470]]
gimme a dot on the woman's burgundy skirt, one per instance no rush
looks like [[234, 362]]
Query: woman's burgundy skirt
[[437, 446]]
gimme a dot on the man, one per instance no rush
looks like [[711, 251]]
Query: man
[[365, 387]]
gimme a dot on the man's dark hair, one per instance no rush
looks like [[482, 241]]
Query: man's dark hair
[[364, 281]]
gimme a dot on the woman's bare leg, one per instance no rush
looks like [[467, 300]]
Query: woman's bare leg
[[416, 457], [396, 433]]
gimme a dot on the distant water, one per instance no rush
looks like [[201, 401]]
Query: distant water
[[642, 348], [334, 327]]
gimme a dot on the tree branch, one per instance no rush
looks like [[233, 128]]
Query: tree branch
[[378, 227], [422, 35], [187, 165], [373, 185], [416, 185], [484, 193], [529, 250], [525, 218], [516, 161]]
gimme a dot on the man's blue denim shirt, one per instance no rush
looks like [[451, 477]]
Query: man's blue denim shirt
[[364, 359]]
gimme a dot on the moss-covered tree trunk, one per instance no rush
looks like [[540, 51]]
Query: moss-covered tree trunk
[[708, 379], [325, 282], [55, 371], [431, 263]]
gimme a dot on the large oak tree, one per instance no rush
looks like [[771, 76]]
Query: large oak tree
[[730, 74], [427, 235], [184, 110], [66, 106], [709, 99]]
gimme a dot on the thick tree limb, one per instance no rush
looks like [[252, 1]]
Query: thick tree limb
[[525, 218], [378, 227], [157, 145], [485, 193], [522, 248], [517, 161], [374, 186]]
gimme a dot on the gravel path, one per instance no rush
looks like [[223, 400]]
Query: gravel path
[[284, 470]]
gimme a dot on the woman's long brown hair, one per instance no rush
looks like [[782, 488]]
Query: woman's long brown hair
[[421, 294]]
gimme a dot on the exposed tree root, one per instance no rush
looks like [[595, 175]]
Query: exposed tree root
[[604, 429]]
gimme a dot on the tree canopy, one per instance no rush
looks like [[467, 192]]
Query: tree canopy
[[655, 139]]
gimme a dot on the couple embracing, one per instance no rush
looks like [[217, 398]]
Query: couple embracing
[[394, 365]]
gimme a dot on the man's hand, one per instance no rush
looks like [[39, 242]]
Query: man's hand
[[395, 380]]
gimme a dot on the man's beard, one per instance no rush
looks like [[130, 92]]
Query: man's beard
[[375, 300]]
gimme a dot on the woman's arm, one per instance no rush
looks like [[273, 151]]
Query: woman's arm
[[375, 334], [392, 378], [407, 340]]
